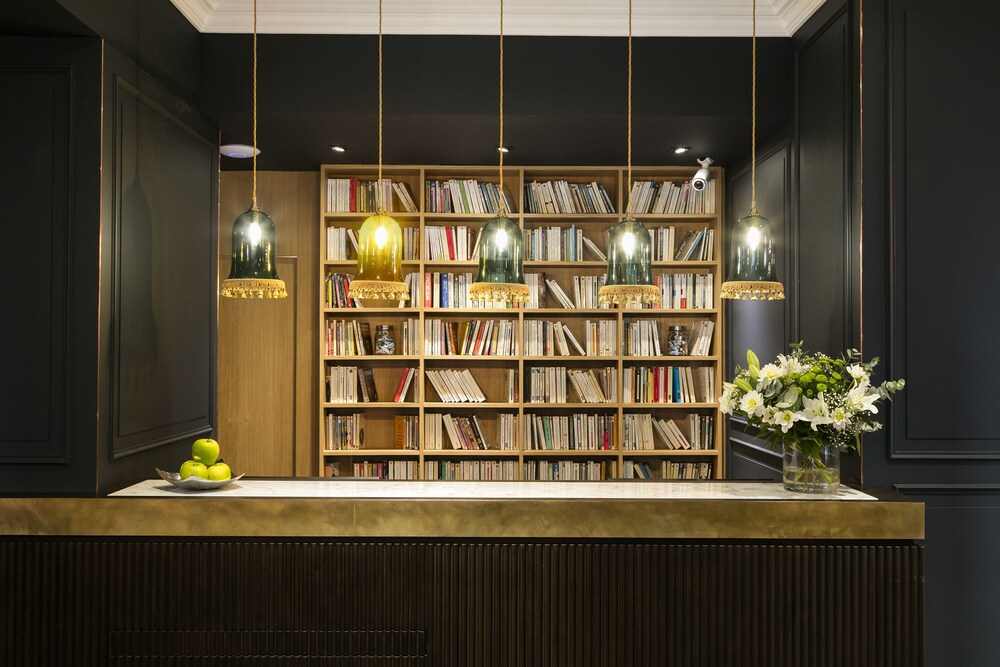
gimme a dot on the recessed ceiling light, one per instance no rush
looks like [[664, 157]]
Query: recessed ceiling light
[[681, 149], [238, 150], [337, 148], [504, 149]]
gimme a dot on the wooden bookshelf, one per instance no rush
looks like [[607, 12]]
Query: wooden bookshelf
[[491, 371]]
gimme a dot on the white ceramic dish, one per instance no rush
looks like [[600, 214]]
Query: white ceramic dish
[[195, 483]]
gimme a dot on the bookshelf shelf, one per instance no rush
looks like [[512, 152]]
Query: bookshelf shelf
[[496, 420], [488, 453], [411, 453], [371, 404]]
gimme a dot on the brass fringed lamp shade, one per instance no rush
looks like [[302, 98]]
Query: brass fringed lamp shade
[[253, 274], [752, 269], [630, 273], [501, 263], [380, 260]]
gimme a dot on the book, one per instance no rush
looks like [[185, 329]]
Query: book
[[367, 379], [405, 379], [569, 432], [592, 247], [406, 432]]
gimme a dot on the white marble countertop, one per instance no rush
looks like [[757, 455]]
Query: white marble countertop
[[399, 490]]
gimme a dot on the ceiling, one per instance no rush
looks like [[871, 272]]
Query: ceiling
[[588, 18]]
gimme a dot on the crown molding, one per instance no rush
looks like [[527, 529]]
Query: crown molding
[[591, 18]]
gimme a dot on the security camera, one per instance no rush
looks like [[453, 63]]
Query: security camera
[[701, 177]]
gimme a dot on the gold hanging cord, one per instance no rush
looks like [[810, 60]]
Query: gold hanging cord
[[628, 179], [380, 208], [253, 196], [500, 149], [753, 117]]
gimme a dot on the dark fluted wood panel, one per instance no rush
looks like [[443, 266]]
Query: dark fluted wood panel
[[460, 603]]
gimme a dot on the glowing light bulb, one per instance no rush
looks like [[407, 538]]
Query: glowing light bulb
[[381, 236], [254, 233], [501, 239], [753, 238], [628, 243]]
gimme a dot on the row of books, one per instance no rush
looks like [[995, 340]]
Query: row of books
[[550, 384], [568, 470], [406, 432], [585, 292], [350, 384], [465, 196], [336, 287], [686, 291], [451, 290], [471, 470], [643, 431], [576, 431], [350, 195], [668, 384], [455, 386], [342, 243], [399, 470], [642, 338], [543, 338], [697, 246], [445, 431], [564, 197], [345, 431], [666, 469], [672, 198], [348, 338], [477, 337], [452, 243], [559, 244]]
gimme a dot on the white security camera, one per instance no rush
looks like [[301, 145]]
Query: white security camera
[[701, 177]]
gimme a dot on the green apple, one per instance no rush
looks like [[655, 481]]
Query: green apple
[[219, 471], [205, 451], [195, 469]]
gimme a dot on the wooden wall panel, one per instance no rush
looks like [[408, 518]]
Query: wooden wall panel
[[267, 349]]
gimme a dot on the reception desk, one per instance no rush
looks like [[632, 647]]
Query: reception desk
[[451, 573]]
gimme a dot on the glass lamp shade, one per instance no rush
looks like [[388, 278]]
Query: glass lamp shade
[[380, 261], [752, 271], [630, 272], [501, 263], [254, 274]]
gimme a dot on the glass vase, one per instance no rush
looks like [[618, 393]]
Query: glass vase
[[810, 468]]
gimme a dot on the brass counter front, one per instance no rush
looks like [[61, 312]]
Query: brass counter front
[[886, 516]]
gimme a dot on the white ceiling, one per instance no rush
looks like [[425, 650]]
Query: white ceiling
[[650, 18]]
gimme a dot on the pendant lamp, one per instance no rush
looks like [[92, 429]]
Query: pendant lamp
[[501, 245], [629, 245], [254, 272], [380, 239], [751, 263]]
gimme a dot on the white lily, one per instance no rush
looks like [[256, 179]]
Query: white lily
[[727, 403], [767, 414], [816, 410], [790, 364], [861, 399]]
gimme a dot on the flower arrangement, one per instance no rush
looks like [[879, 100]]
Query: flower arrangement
[[808, 400]]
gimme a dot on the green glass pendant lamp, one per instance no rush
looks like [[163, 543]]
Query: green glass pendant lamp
[[501, 245], [380, 239], [752, 263], [629, 245], [254, 273]]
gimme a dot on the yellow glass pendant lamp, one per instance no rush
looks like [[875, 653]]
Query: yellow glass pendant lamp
[[380, 239]]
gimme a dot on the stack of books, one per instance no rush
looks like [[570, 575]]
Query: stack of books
[[349, 195], [471, 470], [465, 196], [455, 431], [345, 431], [555, 244], [548, 339], [548, 384], [336, 287], [564, 197], [576, 431], [348, 338], [668, 384], [642, 338], [455, 386]]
